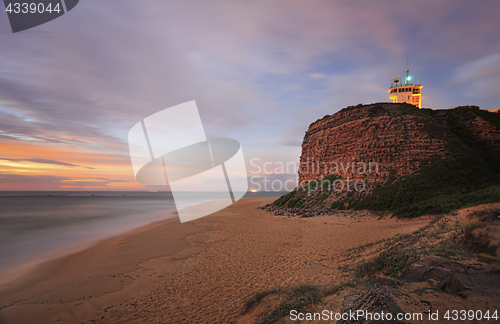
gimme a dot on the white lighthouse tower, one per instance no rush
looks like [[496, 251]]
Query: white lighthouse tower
[[407, 92]]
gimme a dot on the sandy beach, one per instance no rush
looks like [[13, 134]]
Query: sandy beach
[[196, 272]]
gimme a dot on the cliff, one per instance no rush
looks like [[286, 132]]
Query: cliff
[[399, 158], [379, 135]]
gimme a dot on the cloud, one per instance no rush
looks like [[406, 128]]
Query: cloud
[[260, 71], [13, 181], [46, 161], [316, 75], [480, 77]]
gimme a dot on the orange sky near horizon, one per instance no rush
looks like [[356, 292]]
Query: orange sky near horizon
[[63, 168]]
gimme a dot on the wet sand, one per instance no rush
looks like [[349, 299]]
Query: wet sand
[[196, 272]]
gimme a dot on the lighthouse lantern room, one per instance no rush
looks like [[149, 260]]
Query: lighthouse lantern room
[[406, 91]]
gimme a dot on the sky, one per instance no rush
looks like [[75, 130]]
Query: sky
[[260, 72]]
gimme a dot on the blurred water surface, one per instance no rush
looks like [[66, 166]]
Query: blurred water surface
[[36, 225]]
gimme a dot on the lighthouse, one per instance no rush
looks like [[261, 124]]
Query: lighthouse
[[406, 91]]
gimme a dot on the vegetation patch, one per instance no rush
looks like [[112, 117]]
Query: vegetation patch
[[472, 239], [468, 175], [257, 298], [453, 241], [391, 262], [298, 298], [376, 110], [312, 193], [492, 118], [284, 199]]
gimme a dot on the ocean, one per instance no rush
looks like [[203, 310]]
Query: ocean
[[39, 225]]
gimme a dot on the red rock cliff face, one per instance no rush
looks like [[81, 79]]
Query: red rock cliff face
[[367, 143], [480, 129]]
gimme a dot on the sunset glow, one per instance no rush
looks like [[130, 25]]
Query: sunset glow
[[33, 166], [261, 79]]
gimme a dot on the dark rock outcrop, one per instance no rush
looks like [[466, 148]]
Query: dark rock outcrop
[[454, 277], [439, 278]]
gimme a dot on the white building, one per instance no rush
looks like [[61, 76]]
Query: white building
[[407, 92]]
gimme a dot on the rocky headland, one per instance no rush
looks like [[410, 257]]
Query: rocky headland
[[397, 158]]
